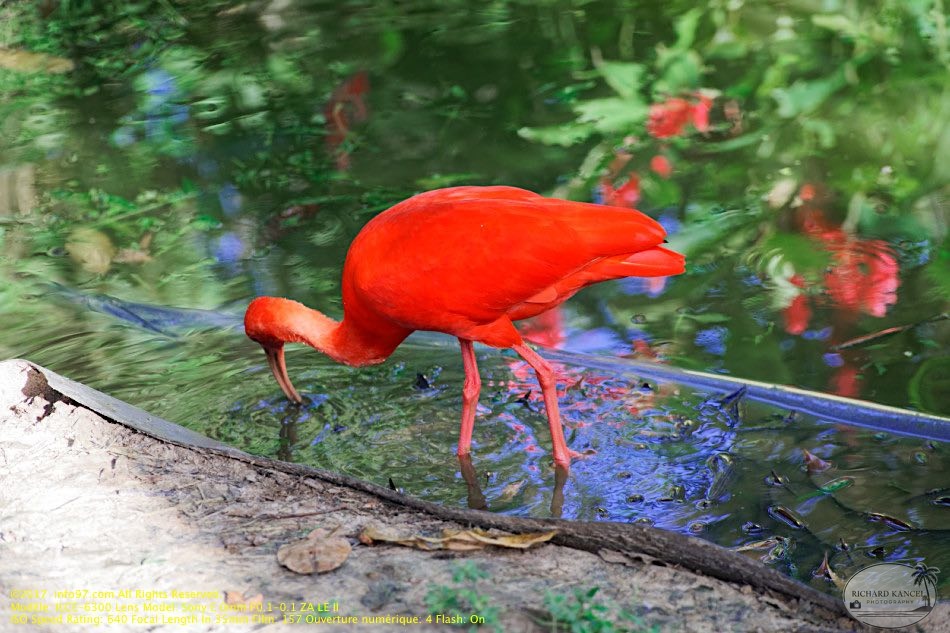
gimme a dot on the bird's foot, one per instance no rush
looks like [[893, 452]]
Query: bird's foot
[[564, 461]]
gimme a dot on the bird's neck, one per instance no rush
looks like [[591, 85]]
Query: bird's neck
[[349, 341]]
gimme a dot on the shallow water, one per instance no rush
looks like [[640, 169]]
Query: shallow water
[[148, 195]]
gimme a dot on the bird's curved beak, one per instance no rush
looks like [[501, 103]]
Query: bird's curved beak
[[275, 358], [657, 262]]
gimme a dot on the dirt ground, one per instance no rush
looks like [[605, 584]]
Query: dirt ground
[[98, 519]]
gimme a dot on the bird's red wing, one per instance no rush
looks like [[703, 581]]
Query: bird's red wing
[[655, 262], [451, 263]]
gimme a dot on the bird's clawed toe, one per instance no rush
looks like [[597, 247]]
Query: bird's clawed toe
[[564, 461]]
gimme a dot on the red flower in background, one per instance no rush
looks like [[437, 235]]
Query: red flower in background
[[661, 165], [345, 103], [797, 314], [670, 117], [863, 275], [861, 279], [847, 381], [814, 223], [626, 195], [701, 113]]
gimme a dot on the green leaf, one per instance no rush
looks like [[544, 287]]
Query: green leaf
[[942, 167], [612, 114], [437, 181], [250, 93], [709, 317], [661, 192], [625, 78], [686, 29], [823, 131], [732, 144], [681, 71], [802, 252], [566, 135], [700, 235], [285, 71], [805, 96], [732, 49], [836, 22], [393, 45], [929, 387]]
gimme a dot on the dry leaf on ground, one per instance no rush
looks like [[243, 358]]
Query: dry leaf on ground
[[456, 540], [320, 552]]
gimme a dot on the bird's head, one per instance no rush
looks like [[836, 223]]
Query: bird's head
[[272, 321]]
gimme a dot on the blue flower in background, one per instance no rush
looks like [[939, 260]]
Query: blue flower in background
[[833, 360], [752, 280], [669, 222], [159, 103], [817, 335], [158, 83], [229, 249], [713, 339], [123, 136], [230, 199]]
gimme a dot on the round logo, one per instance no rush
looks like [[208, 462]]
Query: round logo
[[891, 595]]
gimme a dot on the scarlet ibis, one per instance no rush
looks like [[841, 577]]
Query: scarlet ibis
[[467, 261]]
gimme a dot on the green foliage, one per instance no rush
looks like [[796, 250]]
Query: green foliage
[[930, 386], [464, 598], [468, 571], [564, 135], [604, 116], [582, 613], [803, 97], [625, 78], [796, 249], [128, 218], [823, 85]]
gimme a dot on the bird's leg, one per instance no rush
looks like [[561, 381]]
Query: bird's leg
[[476, 499], [548, 382], [473, 385]]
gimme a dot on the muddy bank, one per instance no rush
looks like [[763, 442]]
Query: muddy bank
[[117, 514]]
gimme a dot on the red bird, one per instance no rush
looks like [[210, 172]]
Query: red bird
[[467, 261]]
